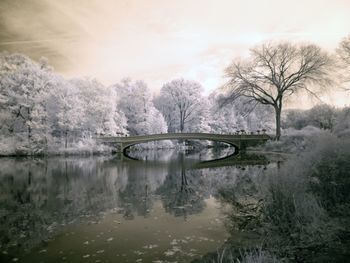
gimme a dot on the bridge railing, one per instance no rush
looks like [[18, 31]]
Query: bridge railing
[[175, 136]]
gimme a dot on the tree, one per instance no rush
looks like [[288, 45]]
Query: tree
[[99, 103], [181, 98], [275, 72], [38, 106], [322, 116], [223, 119], [24, 87], [296, 119], [168, 109], [342, 124], [236, 116], [66, 111], [343, 52], [135, 100]]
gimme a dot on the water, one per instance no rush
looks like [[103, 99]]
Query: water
[[113, 209]]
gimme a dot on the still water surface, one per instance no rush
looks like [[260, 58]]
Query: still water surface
[[111, 209]]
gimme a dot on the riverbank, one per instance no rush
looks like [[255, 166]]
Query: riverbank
[[298, 212], [11, 147], [88, 146]]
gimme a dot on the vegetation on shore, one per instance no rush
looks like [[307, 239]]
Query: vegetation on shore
[[299, 212]]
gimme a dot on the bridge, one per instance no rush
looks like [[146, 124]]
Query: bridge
[[239, 142]]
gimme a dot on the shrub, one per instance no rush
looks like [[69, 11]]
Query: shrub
[[308, 198]]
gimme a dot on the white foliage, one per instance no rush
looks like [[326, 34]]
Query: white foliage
[[229, 118], [38, 106], [183, 105], [136, 102]]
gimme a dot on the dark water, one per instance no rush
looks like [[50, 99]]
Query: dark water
[[111, 209]]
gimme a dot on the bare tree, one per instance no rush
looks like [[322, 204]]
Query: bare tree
[[275, 72]]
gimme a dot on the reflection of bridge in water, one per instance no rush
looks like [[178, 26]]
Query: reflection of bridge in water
[[233, 160], [239, 142], [240, 159]]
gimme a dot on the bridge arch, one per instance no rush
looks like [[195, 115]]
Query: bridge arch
[[127, 146]]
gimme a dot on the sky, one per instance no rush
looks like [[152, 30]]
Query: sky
[[159, 40]]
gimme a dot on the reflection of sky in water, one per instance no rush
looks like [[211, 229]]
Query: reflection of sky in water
[[157, 236], [172, 155], [100, 208]]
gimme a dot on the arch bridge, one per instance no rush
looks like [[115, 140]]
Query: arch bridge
[[239, 142]]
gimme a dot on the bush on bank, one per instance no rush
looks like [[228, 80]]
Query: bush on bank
[[303, 205]]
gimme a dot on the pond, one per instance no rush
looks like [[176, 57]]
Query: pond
[[164, 208]]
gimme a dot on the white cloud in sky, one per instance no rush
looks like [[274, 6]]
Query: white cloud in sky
[[158, 40]]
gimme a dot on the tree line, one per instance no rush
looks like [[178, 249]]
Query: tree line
[[40, 111]]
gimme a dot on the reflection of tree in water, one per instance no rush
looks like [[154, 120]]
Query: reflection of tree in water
[[241, 198], [40, 196], [207, 154], [135, 197], [180, 193], [138, 194], [22, 204], [184, 190]]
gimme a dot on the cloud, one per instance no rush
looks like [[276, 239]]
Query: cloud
[[158, 40]]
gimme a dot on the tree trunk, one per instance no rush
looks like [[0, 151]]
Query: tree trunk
[[28, 125], [278, 123], [181, 126], [66, 139], [182, 121]]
